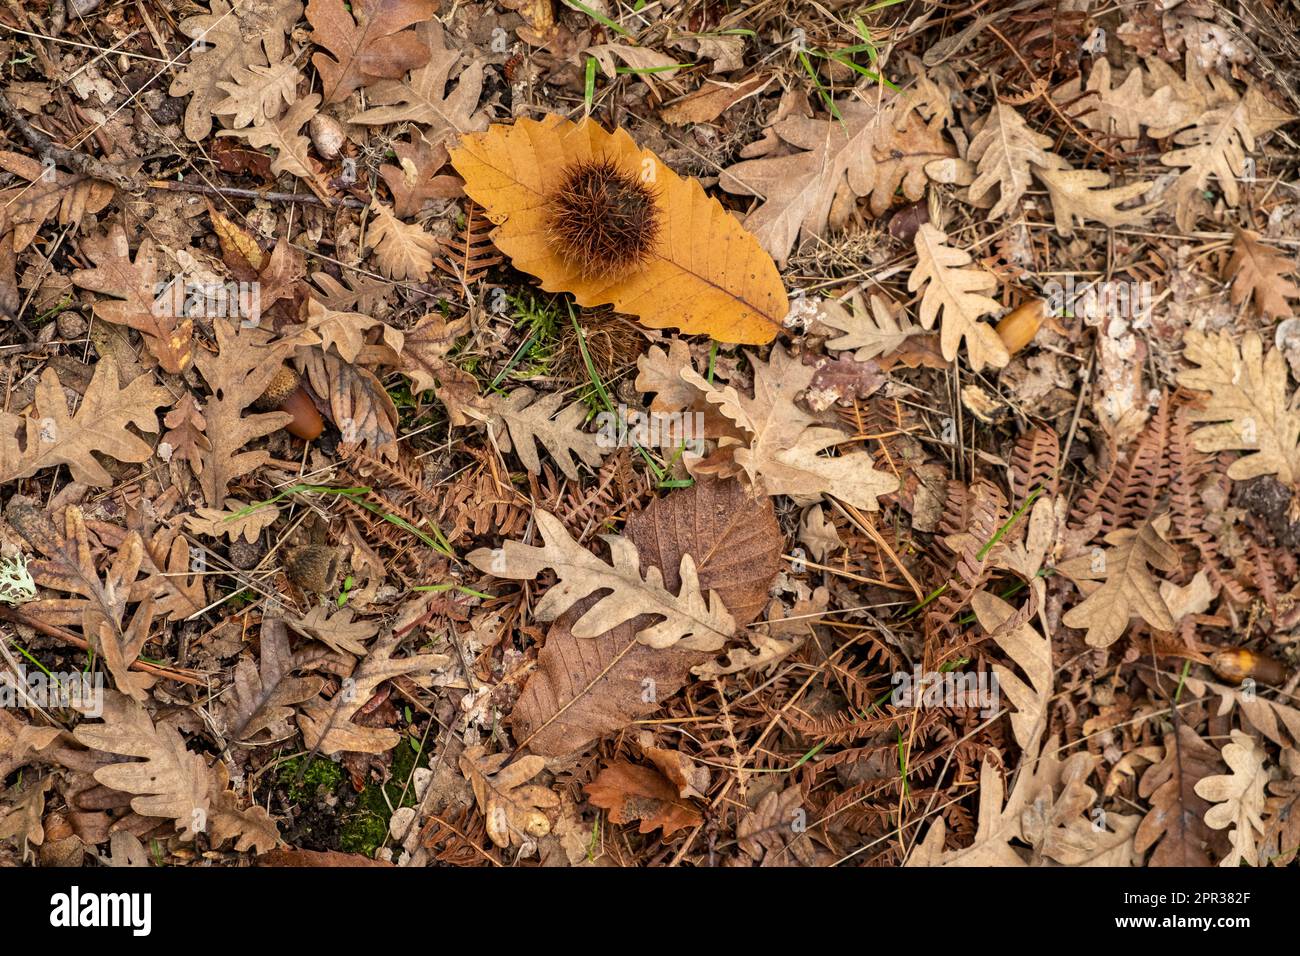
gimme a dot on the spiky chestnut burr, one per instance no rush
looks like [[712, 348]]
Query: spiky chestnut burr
[[286, 394], [604, 220]]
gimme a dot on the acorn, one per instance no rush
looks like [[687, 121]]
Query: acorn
[[1019, 326], [286, 394], [1235, 664], [604, 220]]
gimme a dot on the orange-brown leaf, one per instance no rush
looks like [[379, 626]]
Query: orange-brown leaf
[[704, 273], [631, 793]]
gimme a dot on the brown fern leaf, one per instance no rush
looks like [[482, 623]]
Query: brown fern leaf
[[1035, 463], [461, 840], [479, 502], [469, 256], [1134, 486], [1260, 561], [970, 522], [1188, 468]]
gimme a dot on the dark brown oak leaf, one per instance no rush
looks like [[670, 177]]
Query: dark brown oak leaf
[[368, 40]]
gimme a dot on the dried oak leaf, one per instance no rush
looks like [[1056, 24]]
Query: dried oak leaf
[[258, 93], [415, 179], [865, 149], [99, 607], [426, 362], [24, 209], [184, 439], [136, 301], [230, 37], [692, 619], [369, 41], [704, 273], [328, 725], [346, 332], [403, 251], [359, 404], [1217, 145], [337, 630], [1238, 798], [291, 146], [423, 98], [586, 687], [1261, 273], [874, 332], [955, 287], [514, 809], [1048, 811], [49, 436], [251, 828], [783, 454], [1080, 195], [237, 374], [262, 696], [520, 420], [632, 793], [1004, 150], [1249, 401], [1032, 653], [169, 781], [1129, 588], [235, 522], [772, 833], [1175, 824]]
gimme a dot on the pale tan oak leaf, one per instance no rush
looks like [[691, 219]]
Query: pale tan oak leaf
[[1004, 151], [690, 619], [1130, 588], [1249, 401], [956, 288], [1238, 797]]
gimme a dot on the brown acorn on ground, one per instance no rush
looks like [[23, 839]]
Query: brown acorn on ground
[[287, 394]]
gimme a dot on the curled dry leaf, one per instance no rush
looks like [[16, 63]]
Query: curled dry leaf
[[632, 793], [704, 273], [514, 809]]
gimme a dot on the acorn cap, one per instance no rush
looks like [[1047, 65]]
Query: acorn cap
[[284, 384]]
